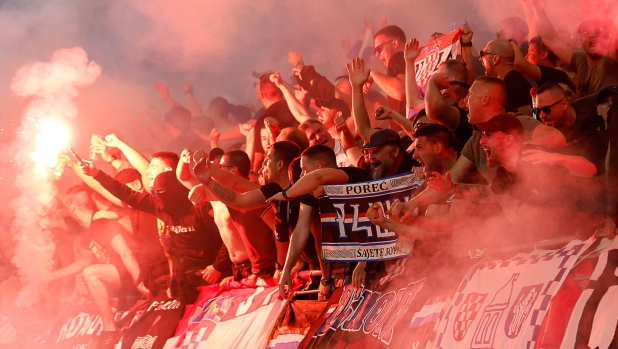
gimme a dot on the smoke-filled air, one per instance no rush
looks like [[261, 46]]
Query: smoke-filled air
[[308, 174]]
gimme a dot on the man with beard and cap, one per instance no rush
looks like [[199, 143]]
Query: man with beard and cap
[[498, 58], [585, 133], [486, 99], [319, 167], [188, 234], [384, 155], [542, 199], [597, 64], [101, 240]]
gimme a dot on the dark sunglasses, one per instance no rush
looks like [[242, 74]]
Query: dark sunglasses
[[378, 48], [485, 53], [546, 109]]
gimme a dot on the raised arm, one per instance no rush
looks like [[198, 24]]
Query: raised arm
[[523, 66], [358, 77], [413, 99], [383, 113], [466, 52], [437, 107], [192, 104], [352, 150], [300, 112], [246, 201], [311, 181], [135, 158], [549, 35], [96, 186], [164, 92], [183, 172]]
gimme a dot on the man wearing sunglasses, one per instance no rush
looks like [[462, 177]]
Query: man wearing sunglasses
[[585, 132], [597, 64], [389, 43]]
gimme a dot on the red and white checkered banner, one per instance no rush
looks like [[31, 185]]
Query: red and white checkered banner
[[241, 317], [502, 304], [433, 53]]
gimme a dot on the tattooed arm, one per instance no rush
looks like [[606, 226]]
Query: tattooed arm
[[239, 201]]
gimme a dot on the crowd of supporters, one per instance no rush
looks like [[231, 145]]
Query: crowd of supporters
[[232, 194]]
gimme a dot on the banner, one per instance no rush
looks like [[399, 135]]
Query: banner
[[347, 234], [241, 317], [595, 317], [501, 304], [433, 53]]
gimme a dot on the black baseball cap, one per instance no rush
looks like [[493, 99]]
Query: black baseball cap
[[383, 137], [605, 91]]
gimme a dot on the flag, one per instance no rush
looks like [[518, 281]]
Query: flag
[[434, 52], [594, 318], [347, 234]]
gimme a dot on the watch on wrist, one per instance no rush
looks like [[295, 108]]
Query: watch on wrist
[[278, 266], [326, 282], [284, 194], [465, 44]]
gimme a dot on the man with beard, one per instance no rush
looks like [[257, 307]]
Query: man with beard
[[597, 64], [385, 156], [585, 133], [189, 235]]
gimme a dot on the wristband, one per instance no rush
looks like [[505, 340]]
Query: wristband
[[278, 266], [326, 282], [284, 194], [465, 44]]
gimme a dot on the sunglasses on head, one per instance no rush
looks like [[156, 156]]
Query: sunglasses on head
[[546, 109]]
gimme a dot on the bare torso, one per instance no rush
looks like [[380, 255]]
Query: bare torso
[[230, 236]]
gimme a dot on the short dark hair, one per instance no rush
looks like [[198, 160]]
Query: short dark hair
[[179, 118], [296, 136], [169, 157], [392, 32], [435, 133], [541, 47], [322, 154], [496, 83], [285, 151], [219, 105], [457, 69], [269, 89], [128, 175], [347, 77], [553, 87], [240, 159], [294, 170]]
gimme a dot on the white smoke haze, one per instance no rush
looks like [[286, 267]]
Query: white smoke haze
[[51, 87], [213, 44]]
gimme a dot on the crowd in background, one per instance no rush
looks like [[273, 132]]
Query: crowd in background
[[515, 142]]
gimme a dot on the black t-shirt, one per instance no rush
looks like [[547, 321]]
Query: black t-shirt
[[464, 129], [549, 74], [98, 239], [517, 90], [588, 137], [396, 66]]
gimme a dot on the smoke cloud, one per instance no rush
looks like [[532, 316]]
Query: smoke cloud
[[50, 87]]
